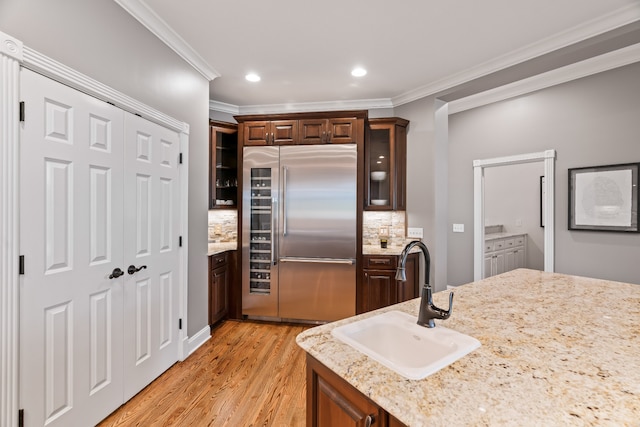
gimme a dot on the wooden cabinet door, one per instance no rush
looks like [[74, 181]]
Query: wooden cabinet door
[[410, 288], [341, 131], [218, 288], [284, 132], [379, 289], [275, 132], [313, 131], [219, 291], [256, 133], [332, 402]]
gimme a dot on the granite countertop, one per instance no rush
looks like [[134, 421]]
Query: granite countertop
[[390, 250], [556, 350], [217, 248]]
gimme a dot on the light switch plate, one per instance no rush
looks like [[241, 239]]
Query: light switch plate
[[415, 232], [458, 228]]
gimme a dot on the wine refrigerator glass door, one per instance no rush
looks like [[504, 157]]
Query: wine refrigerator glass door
[[260, 232]]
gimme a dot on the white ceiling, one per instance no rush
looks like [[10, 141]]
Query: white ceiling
[[305, 51]]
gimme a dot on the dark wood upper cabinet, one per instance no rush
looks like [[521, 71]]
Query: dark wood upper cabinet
[[269, 132], [328, 131], [386, 164], [338, 127], [223, 165]]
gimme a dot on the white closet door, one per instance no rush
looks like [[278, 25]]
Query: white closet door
[[71, 231], [152, 229], [99, 191]]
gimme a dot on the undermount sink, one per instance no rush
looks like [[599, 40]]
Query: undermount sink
[[395, 340]]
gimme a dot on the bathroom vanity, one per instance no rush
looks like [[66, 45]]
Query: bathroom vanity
[[555, 350]]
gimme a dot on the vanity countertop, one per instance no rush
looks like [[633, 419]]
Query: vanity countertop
[[556, 350], [502, 235]]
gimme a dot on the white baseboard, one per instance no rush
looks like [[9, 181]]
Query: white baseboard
[[198, 339]]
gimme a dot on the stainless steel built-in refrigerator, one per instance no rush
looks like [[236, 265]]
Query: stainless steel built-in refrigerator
[[299, 232]]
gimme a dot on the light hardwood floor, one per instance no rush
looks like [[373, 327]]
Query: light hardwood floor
[[246, 374]]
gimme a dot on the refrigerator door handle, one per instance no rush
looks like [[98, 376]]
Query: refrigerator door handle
[[319, 260], [284, 200], [274, 234]]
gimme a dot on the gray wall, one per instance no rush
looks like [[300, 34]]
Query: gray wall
[[424, 176], [101, 40], [590, 121], [512, 194]]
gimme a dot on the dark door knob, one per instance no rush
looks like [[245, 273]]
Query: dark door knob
[[132, 269], [116, 273]]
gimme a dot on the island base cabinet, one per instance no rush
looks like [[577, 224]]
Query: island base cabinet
[[331, 402]]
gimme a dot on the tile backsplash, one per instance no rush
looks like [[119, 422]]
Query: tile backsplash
[[393, 221], [223, 225]]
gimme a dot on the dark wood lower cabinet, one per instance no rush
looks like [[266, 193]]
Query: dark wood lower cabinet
[[221, 278], [332, 402], [380, 288]]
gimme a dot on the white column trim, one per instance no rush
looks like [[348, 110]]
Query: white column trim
[[478, 221], [548, 157], [11, 51]]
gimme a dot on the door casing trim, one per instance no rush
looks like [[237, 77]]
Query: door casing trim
[[548, 157]]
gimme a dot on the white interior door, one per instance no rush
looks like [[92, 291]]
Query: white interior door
[[71, 234], [151, 240], [99, 191]]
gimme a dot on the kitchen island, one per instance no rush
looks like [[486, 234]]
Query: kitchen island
[[556, 350]]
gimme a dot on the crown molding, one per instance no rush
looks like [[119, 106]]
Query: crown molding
[[571, 36], [53, 69], [147, 17], [608, 22], [608, 61], [223, 107], [302, 107]]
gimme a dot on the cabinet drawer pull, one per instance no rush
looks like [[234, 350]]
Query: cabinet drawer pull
[[380, 261], [370, 420]]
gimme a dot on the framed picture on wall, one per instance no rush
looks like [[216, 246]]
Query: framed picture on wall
[[604, 198]]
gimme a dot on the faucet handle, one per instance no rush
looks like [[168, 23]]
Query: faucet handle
[[444, 314]]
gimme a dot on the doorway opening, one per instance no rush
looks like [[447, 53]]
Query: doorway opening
[[548, 157]]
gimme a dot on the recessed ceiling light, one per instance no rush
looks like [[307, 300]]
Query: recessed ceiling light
[[358, 72], [252, 77]]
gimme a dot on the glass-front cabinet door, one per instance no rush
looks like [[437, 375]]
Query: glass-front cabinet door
[[380, 161], [386, 164]]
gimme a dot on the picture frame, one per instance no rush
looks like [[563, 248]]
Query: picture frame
[[604, 198]]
